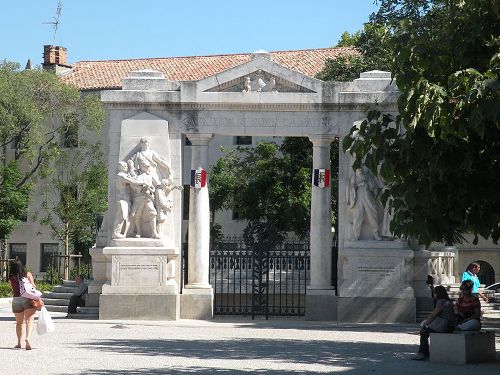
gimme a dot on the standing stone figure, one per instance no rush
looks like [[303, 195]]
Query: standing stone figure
[[361, 198], [160, 168], [164, 203], [143, 198], [123, 199]]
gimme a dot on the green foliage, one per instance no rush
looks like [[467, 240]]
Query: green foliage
[[267, 183], [75, 191], [5, 290], [375, 53], [441, 156], [13, 199], [52, 277], [32, 105], [85, 272]]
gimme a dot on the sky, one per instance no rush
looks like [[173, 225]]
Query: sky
[[126, 29]]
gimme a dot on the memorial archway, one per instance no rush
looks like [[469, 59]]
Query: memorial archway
[[258, 98]]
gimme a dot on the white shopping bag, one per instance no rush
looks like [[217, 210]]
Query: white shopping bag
[[45, 323]]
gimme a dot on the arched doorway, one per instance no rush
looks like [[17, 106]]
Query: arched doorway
[[487, 274]]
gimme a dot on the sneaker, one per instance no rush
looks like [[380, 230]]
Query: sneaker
[[418, 357]]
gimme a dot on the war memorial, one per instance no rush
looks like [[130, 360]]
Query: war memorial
[[136, 260]]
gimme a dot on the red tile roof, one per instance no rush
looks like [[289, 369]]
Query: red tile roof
[[108, 74]]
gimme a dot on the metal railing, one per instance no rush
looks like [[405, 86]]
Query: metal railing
[[58, 261]]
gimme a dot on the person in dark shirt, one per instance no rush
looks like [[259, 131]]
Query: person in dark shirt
[[79, 295]]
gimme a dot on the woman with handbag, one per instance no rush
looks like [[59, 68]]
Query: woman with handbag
[[22, 307], [442, 319]]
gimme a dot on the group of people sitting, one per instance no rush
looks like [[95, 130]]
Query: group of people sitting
[[463, 315]]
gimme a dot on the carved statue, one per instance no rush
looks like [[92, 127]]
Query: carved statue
[[143, 197], [123, 199], [164, 203], [160, 168], [361, 198], [258, 83]]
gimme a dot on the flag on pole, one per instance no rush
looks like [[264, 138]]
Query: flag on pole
[[198, 178], [321, 178]]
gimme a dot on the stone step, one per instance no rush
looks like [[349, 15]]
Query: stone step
[[56, 295], [57, 308], [56, 301], [85, 313], [63, 289]]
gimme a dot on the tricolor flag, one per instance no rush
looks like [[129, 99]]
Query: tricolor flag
[[321, 177], [198, 178]]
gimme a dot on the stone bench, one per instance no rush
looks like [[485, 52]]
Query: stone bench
[[462, 347]]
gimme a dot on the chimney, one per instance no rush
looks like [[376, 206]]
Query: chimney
[[55, 57]]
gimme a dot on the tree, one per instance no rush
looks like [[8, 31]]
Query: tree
[[375, 53], [75, 190], [13, 202], [38, 115], [441, 155], [268, 183], [34, 107]]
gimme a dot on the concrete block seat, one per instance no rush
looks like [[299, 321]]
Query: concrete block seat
[[462, 347]]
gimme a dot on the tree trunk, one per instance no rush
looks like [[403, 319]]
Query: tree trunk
[[3, 255], [66, 252]]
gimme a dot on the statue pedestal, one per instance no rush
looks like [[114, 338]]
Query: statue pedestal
[[142, 284], [374, 282]]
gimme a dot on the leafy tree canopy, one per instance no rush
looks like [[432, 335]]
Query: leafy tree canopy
[[36, 110], [269, 183], [441, 155]]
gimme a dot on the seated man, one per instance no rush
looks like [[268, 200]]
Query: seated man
[[78, 297]]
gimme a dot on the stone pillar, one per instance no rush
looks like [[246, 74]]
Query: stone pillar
[[197, 295], [320, 297]]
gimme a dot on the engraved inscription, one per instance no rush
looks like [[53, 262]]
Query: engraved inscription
[[149, 267], [374, 271]]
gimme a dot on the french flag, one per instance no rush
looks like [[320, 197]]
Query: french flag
[[321, 178], [198, 178]]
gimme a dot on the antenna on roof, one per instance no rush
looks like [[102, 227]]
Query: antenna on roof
[[55, 20]]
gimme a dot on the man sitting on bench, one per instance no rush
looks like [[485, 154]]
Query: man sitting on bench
[[78, 297]]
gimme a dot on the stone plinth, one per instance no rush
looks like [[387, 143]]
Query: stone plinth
[[142, 284], [374, 282], [462, 347]]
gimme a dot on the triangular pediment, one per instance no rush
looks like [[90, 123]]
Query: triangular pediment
[[260, 75]]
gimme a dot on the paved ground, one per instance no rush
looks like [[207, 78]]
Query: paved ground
[[220, 346]]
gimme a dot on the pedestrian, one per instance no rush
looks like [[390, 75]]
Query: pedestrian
[[21, 306], [442, 319], [471, 274]]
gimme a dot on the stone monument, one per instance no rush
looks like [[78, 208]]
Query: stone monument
[[136, 259]]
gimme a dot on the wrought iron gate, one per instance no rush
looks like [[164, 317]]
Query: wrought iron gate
[[255, 280]]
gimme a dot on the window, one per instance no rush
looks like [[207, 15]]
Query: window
[[243, 140], [18, 250], [47, 249], [185, 202]]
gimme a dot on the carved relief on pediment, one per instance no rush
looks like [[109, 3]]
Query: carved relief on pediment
[[259, 81]]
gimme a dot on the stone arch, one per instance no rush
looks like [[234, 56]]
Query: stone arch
[[487, 274]]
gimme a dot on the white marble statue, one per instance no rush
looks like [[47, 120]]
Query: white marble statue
[[361, 198], [123, 199], [160, 167], [143, 201], [164, 201]]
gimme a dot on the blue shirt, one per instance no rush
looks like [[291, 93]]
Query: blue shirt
[[467, 275]]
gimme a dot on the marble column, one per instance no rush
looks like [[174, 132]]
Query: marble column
[[320, 300], [197, 299]]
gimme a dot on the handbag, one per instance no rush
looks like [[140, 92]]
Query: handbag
[[37, 304], [45, 323], [27, 290]]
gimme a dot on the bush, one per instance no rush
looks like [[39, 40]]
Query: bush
[[5, 290]]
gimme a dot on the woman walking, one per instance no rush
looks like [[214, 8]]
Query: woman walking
[[21, 306]]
